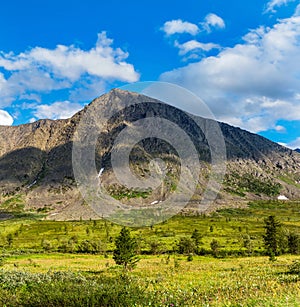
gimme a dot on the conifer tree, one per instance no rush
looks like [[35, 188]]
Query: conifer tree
[[272, 235], [125, 251]]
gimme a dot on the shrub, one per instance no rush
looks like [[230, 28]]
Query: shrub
[[186, 246], [294, 268], [69, 289], [196, 236], [2, 261], [91, 247], [293, 243], [156, 247], [9, 239], [215, 247], [190, 257]]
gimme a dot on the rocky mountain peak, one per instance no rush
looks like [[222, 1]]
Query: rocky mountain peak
[[36, 158]]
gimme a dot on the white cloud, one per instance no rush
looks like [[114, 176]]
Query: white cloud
[[272, 4], [193, 45], [213, 21], [57, 110], [102, 61], [5, 118], [253, 84], [88, 90], [297, 12], [10, 61], [40, 70], [5, 91], [280, 129], [179, 26], [31, 97], [282, 144], [294, 144]]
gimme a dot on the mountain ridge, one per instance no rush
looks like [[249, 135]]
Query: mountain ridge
[[36, 163]]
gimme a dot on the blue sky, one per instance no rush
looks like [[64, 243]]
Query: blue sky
[[241, 57]]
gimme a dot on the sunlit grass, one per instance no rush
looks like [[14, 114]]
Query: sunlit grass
[[251, 281], [167, 279]]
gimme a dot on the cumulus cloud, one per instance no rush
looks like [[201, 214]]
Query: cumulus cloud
[[178, 26], [71, 62], [213, 21], [41, 70], [57, 110], [193, 45], [253, 84], [272, 4], [5, 118]]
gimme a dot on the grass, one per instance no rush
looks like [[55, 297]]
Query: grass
[[158, 281], [228, 226], [34, 273], [119, 192], [290, 181], [239, 184]]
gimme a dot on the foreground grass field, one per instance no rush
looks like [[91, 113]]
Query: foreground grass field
[[92, 280], [47, 263]]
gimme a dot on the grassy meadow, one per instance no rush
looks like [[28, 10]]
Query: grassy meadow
[[48, 263]]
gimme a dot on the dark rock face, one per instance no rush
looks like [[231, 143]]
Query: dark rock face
[[36, 159]]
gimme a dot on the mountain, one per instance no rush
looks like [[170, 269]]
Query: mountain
[[36, 168], [297, 149]]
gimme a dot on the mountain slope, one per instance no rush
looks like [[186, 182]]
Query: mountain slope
[[36, 159]]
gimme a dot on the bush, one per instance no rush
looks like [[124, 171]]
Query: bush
[[202, 251], [2, 261], [69, 289], [186, 246], [190, 257], [215, 247], [91, 247], [156, 247], [294, 268], [293, 243]]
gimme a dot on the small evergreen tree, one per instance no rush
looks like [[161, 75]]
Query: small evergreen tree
[[293, 243], [125, 251], [196, 236], [247, 243], [272, 235], [215, 247], [9, 239]]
